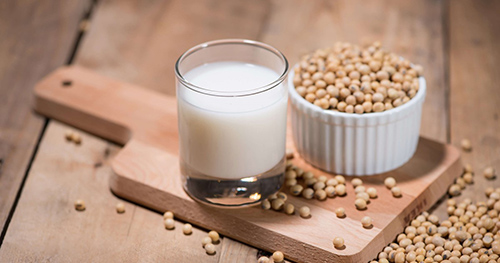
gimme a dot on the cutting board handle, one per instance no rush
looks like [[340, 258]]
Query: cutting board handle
[[108, 108]]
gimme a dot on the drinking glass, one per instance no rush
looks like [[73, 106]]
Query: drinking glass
[[232, 112]]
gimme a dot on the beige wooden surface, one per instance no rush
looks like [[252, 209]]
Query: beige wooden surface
[[35, 38], [54, 231], [456, 41], [474, 62], [146, 171]]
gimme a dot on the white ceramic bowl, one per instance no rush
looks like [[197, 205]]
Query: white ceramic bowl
[[356, 144]]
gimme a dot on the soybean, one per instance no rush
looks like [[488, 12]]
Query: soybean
[[80, 205], [338, 242], [305, 212]]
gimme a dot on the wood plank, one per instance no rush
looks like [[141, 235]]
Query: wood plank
[[474, 99], [146, 171], [47, 227], [234, 251], [139, 42], [412, 29], [35, 38], [115, 45], [114, 50]]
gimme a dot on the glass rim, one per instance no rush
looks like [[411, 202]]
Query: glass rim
[[250, 92]]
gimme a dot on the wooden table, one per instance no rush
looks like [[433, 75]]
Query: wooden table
[[41, 175]]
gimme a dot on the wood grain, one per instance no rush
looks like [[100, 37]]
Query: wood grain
[[146, 171], [115, 44], [413, 29], [46, 226], [474, 99], [234, 251], [35, 38], [167, 29], [139, 41]]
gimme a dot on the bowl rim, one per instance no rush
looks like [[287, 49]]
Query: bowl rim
[[418, 97]]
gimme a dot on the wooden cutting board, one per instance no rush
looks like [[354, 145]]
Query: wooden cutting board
[[146, 171]]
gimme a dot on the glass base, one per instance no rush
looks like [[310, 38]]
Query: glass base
[[233, 192]]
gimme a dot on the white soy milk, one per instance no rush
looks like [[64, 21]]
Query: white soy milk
[[231, 137]]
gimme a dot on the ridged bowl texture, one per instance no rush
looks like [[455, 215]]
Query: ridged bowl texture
[[356, 144]]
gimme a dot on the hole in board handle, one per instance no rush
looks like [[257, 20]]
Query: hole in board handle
[[66, 83]]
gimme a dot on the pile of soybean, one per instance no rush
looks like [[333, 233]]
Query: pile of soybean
[[469, 234]]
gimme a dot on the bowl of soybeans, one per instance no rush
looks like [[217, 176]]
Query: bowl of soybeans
[[356, 110]]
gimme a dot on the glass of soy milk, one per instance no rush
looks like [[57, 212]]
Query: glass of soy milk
[[232, 111]]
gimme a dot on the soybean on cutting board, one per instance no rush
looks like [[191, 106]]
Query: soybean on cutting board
[[146, 171]]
